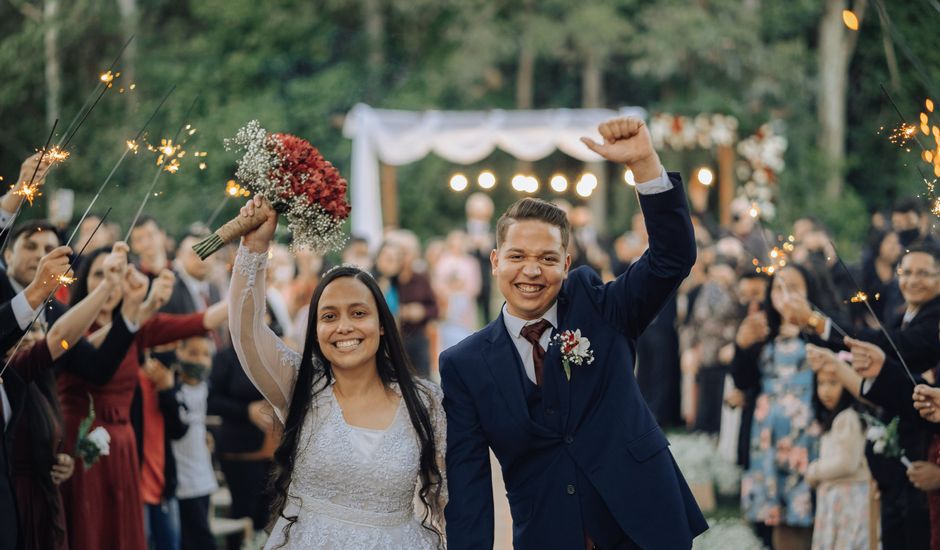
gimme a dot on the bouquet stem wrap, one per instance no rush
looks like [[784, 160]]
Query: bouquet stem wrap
[[232, 230]]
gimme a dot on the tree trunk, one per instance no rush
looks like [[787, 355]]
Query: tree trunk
[[592, 86], [836, 46], [53, 68], [128, 65]]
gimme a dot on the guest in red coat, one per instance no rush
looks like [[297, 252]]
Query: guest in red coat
[[103, 504]]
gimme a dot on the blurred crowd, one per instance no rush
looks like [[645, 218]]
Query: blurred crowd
[[804, 368]]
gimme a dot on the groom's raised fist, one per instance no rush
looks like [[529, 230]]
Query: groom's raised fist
[[627, 141]]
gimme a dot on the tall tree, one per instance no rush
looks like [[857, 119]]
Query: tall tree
[[836, 47]]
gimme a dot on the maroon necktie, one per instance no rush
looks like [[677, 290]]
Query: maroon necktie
[[533, 333]]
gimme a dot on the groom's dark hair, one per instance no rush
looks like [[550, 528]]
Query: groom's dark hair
[[533, 209]]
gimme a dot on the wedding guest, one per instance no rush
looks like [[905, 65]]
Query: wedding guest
[[38, 433], [879, 275], [771, 356], [418, 306], [907, 217], [363, 438], [915, 333], [388, 265], [155, 415], [194, 473], [148, 242], [247, 438], [906, 509], [357, 253], [115, 481], [457, 282], [479, 209], [713, 326], [840, 474], [192, 291]]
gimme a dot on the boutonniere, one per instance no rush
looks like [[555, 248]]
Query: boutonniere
[[575, 350]]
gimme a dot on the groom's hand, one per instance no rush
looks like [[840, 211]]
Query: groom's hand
[[627, 141]]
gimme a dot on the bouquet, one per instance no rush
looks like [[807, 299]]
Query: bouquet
[[292, 175], [92, 445], [885, 438]]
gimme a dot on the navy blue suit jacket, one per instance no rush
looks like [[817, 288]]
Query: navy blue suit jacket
[[601, 430]]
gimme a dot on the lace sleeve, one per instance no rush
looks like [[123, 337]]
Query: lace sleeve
[[268, 362]]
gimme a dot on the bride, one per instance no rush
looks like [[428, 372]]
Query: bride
[[363, 436]]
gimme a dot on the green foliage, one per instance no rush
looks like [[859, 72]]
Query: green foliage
[[300, 66]]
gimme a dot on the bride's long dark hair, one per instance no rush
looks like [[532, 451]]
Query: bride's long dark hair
[[393, 365]]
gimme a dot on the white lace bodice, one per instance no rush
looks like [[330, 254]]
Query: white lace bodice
[[345, 494]]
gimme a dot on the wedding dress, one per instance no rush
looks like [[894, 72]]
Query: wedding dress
[[351, 487]]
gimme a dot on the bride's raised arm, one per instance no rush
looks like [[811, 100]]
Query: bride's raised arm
[[268, 362]]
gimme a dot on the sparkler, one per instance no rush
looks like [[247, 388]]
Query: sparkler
[[42, 306], [132, 146], [934, 156], [779, 256], [232, 190], [864, 299], [105, 82], [27, 188], [161, 169]]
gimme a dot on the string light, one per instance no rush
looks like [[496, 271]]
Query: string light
[[559, 183], [705, 176], [628, 177], [458, 182], [486, 179]]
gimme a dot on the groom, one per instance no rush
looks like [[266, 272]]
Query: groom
[[584, 463]]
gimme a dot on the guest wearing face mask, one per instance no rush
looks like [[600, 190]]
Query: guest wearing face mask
[[194, 473], [907, 220]]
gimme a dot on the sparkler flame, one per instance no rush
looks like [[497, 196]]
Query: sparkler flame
[[859, 297], [29, 192], [232, 189], [57, 155], [65, 280]]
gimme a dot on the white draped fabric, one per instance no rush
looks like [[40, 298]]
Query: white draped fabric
[[462, 137]]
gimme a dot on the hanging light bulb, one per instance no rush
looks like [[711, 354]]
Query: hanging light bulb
[[458, 182]]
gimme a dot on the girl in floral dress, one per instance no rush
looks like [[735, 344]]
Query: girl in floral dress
[[840, 475], [784, 433]]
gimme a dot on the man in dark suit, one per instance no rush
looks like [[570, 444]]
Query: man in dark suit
[[192, 291], [28, 244], [584, 463], [905, 519]]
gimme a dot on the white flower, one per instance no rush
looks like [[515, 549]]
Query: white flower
[[879, 446], [876, 433], [101, 438]]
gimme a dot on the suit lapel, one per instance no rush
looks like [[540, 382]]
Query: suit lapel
[[502, 359]]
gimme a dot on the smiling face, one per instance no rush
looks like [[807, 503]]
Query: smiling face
[[530, 266], [918, 278], [348, 326], [23, 257], [96, 277]]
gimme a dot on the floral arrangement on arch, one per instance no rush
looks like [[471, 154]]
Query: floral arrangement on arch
[[703, 131], [761, 165]]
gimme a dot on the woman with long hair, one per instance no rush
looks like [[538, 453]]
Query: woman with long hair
[[104, 503], [362, 434], [770, 357]]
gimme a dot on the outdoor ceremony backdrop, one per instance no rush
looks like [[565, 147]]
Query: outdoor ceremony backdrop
[[299, 66]]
